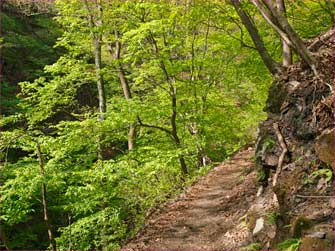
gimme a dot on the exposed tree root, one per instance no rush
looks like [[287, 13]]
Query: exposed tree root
[[282, 155]]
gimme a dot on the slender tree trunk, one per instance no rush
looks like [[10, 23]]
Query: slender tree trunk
[[96, 22], [270, 63], [44, 200], [121, 74], [174, 131], [125, 87], [100, 83], [272, 21], [97, 37], [173, 96], [131, 137], [193, 127], [183, 165], [287, 52], [69, 218], [173, 119]]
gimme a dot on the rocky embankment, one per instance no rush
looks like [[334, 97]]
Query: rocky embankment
[[295, 157]]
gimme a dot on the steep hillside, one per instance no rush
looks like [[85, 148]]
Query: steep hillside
[[28, 40], [295, 153]]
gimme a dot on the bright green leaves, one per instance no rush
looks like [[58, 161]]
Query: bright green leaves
[[104, 226], [302, 12], [20, 192], [8, 103], [46, 97]]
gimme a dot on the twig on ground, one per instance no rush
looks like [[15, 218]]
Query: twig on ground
[[314, 196]]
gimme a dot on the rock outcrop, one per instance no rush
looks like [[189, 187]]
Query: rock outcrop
[[302, 105]]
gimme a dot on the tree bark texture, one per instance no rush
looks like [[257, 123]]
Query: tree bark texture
[[286, 50]]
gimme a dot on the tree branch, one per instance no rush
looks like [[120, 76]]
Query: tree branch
[[153, 126]]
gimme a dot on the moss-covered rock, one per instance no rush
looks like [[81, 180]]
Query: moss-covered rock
[[324, 146], [298, 225], [310, 243]]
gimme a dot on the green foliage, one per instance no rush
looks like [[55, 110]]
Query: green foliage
[[99, 228], [268, 143], [320, 13], [325, 172], [289, 245], [273, 217], [252, 247], [261, 175], [220, 88], [8, 101], [20, 192]]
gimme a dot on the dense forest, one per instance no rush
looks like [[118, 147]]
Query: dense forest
[[109, 108]]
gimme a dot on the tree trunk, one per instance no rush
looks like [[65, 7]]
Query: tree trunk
[[173, 95], [183, 165], [125, 87], [272, 21], [96, 41], [131, 137], [174, 131], [100, 83], [285, 30], [69, 218], [44, 199], [287, 53], [270, 63], [97, 61]]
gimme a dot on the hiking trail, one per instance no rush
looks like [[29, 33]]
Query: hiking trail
[[209, 215]]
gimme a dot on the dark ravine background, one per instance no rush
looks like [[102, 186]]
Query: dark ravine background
[[28, 46]]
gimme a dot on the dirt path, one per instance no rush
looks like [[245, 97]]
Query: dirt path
[[209, 215]]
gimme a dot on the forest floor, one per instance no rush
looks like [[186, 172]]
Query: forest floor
[[209, 215]]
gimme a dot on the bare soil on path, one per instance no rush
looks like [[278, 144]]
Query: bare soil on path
[[209, 215]]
